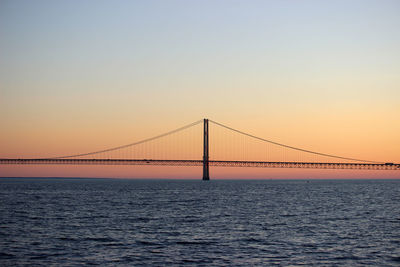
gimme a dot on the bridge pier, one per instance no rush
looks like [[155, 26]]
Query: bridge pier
[[206, 174]]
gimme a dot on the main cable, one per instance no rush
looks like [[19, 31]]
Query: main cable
[[291, 147], [132, 144]]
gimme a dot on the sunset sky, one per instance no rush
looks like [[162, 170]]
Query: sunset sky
[[79, 76]]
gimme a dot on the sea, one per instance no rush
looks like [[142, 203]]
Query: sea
[[126, 222]]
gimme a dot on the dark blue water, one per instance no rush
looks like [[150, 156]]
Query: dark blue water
[[221, 223]]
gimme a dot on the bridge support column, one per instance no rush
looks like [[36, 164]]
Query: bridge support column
[[206, 174]]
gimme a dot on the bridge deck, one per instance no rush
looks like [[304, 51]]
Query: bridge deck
[[222, 163]]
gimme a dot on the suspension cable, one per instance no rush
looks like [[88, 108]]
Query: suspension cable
[[291, 147], [132, 144]]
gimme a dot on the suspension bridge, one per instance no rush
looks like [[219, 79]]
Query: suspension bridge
[[224, 146]]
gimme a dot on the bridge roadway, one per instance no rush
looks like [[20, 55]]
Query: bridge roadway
[[221, 163]]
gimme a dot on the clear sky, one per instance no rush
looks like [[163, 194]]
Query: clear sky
[[77, 76]]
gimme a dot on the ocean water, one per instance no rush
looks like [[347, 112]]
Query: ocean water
[[112, 222]]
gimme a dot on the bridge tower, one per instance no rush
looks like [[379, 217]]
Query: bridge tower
[[206, 175]]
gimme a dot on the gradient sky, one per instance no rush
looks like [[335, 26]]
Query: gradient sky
[[78, 76]]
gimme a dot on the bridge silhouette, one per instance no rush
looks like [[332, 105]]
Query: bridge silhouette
[[230, 148]]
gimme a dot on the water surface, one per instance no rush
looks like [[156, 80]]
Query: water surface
[[221, 223]]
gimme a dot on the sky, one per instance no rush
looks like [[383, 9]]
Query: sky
[[79, 76]]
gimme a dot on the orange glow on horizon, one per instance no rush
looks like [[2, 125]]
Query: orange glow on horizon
[[224, 145], [163, 172]]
